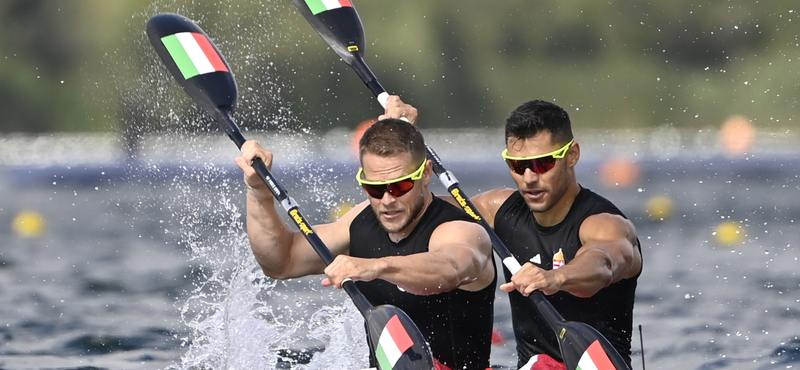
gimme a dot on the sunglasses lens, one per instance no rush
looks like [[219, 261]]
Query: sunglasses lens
[[517, 166], [542, 165], [396, 189], [400, 188], [375, 191], [537, 165]]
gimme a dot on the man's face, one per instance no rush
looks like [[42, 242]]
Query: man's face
[[540, 191], [396, 213]]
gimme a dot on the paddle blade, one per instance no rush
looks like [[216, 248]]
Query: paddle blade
[[338, 23], [584, 347], [396, 341], [194, 61]]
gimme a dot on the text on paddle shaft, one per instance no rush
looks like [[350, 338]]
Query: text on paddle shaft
[[300, 222], [463, 202]]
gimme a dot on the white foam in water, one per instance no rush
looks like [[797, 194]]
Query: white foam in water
[[238, 318]]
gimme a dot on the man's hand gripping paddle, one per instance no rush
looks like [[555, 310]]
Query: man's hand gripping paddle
[[581, 345], [200, 69]]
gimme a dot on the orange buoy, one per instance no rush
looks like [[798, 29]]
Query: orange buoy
[[737, 136], [359, 132], [619, 172]]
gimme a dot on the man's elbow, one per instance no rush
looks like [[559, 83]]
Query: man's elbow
[[280, 274], [463, 276], [449, 279], [432, 290]]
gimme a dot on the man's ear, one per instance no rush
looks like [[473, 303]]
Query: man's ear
[[574, 154], [427, 174]]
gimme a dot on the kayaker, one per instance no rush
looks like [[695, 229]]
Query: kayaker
[[403, 246], [576, 246]]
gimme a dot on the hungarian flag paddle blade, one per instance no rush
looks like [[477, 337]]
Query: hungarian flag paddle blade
[[338, 23], [586, 349], [194, 61], [396, 341]]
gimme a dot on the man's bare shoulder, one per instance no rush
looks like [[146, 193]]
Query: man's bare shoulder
[[493, 199], [607, 226]]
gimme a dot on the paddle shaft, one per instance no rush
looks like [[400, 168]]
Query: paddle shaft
[[224, 118]]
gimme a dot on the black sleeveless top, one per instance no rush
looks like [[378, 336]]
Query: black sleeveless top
[[610, 310], [456, 324]]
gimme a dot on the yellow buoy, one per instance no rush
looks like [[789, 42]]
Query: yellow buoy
[[729, 233], [339, 211], [659, 208], [28, 224]]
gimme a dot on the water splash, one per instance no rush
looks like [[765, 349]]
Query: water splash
[[234, 316]]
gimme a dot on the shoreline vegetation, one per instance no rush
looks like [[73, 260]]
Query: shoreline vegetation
[[685, 64]]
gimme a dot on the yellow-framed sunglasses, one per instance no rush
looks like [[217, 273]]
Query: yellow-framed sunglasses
[[397, 187], [539, 164]]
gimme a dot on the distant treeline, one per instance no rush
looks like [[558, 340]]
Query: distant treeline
[[87, 65]]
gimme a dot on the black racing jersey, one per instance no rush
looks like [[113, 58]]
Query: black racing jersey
[[610, 310], [456, 324]]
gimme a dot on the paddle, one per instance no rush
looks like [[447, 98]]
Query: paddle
[[200, 69], [341, 28]]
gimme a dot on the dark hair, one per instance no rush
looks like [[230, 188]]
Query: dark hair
[[535, 116], [392, 136]]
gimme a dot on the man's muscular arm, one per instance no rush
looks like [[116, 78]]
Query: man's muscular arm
[[458, 257], [609, 254], [280, 252]]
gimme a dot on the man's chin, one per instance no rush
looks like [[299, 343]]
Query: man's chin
[[537, 206], [392, 227]]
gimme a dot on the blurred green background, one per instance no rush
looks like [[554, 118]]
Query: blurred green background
[[86, 65]]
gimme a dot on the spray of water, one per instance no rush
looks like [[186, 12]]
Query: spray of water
[[233, 316]]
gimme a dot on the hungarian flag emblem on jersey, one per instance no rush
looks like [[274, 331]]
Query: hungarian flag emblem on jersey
[[319, 6], [193, 54], [595, 358], [392, 343], [558, 259]]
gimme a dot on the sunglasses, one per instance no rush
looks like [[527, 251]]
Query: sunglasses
[[539, 164], [397, 187]]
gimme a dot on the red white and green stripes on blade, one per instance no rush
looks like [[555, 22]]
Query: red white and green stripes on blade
[[392, 343], [319, 6], [595, 358], [193, 54]]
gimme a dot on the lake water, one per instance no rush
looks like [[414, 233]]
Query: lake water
[[144, 264]]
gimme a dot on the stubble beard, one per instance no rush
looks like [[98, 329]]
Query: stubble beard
[[414, 213], [552, 196]]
